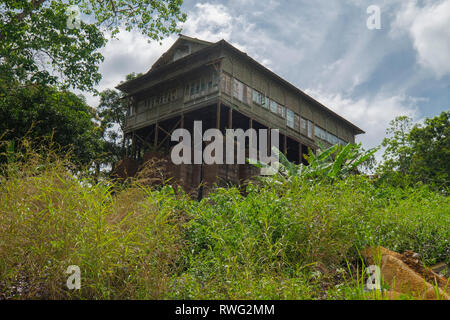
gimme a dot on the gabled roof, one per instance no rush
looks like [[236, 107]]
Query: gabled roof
[[182, 40], [204, 46]]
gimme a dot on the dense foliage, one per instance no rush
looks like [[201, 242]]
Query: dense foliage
[[46, 115], [111, 112], [418, 153], [291, 239], [50, 42]]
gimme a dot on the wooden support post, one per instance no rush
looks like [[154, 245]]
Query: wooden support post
[[285, 145], [300, 152], [155, 144], [125, 141], [218, 116], [139, 151], [133, 147], [230, 119]]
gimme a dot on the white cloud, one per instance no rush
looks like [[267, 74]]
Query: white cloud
[[130, 52], [372, 115], [210, 22], [429, 29], [233, 23]]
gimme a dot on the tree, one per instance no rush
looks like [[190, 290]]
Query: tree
[[397, 155], [42, 113], [430, 160], [418, 153], [40, 43], [111, 112]]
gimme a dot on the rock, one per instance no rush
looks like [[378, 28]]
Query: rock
[[403, 279]]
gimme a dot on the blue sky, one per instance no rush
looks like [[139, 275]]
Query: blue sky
[[325, 49]]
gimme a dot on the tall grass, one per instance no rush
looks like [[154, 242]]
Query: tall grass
[[125, 244], [284, 231], [282, 240]]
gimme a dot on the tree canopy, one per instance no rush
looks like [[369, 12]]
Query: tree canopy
[[40, 43], [43, 113], [419, 151], [48, 47]]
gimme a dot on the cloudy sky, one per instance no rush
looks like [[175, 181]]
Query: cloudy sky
[[325, 49]]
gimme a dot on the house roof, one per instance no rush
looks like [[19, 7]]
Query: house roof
[[211, 46]]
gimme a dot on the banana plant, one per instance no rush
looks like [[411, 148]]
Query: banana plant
[[335, 162]]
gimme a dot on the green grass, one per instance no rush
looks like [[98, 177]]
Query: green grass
[[134, 242], [125, 244]]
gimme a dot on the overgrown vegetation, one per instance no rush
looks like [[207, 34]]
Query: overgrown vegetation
[[418, 153], [285, 239], [125, 241], [296, 235]]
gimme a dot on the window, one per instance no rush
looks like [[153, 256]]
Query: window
[[302, 124], [259, 99], [310, 129], [256, 97], [249, 96], [238, 90], [329, 137], [297, 122], [264, 102], [244, 94], [215, 79], [281, 111], [187, 92], [141, 106], [203, 86], [290, 118], [320, 133], [273, 106], [173, 95], [197, 87], [226, 84]]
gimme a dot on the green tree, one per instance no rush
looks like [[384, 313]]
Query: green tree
[[111, 112], [430, 160], [397, 155], [39, 43], [43, 113], [418, 153]]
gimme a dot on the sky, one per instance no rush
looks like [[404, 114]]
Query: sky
[[368, 76]]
